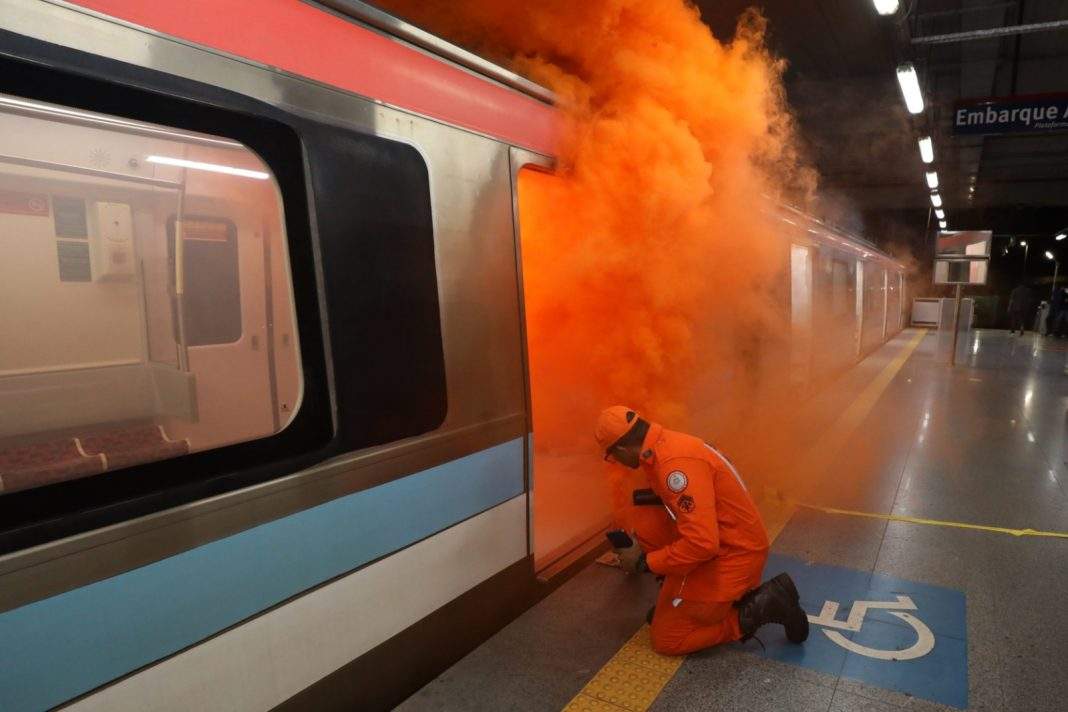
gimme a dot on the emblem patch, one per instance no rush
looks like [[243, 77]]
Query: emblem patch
[[686, 503], [677, 481]]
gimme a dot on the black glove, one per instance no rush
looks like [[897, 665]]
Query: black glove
[[632, 558]]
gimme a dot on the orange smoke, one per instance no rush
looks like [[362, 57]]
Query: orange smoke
[[650, 265], [648, 262]]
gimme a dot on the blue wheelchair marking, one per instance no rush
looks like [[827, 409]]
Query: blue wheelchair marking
[[940, 675]]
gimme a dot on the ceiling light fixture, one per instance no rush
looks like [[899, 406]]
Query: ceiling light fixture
[[1061, 236], [942, 224], [886, 7], [936, 200], [940, 214], [932, 179], [211, 167], [927, 149], [1049, 255], [910, 87]]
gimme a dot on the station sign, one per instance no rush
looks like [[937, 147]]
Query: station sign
[[962, 256], [1013, 114]]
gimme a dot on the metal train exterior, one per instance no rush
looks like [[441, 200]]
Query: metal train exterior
[[264, 423]]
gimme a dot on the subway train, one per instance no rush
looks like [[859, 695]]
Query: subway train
[[265, 436]]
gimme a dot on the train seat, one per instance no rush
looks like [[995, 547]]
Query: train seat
[[72, 456], [132, 445], [45, 462]]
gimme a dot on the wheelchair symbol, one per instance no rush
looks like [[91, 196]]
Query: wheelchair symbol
[[828, 618]]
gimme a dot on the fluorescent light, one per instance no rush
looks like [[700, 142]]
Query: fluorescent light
[[936, 200], [886, 7], [1061, 236], [212, 167], [1049, 255], [940, 214], [932, 179], [942, 224], [927, 149], [910, 87]]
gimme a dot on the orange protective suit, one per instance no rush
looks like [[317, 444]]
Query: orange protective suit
[[712, 553]]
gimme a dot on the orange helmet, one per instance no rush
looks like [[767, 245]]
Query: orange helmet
[[614, 423]]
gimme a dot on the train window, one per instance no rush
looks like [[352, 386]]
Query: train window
[[147, 304], [842, 285], [212, 313], [381, 284]]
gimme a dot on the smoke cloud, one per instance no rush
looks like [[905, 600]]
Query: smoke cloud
[[653, 270]]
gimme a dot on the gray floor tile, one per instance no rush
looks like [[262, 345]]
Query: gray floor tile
[[814, 537], [848, 702], [732, 680], [891, 699]]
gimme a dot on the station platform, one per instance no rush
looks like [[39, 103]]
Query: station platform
[[932, 510]]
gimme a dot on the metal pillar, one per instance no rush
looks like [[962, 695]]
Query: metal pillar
[[956, 327], [179, 277]]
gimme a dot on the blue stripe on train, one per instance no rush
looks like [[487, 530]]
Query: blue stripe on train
[[66, 645]]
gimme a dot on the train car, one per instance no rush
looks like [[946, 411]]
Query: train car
[[265, 439], [846, 297]]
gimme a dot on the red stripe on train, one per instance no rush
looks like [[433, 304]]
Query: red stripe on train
[[301, 39]]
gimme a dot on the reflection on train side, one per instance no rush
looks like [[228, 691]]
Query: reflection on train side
[[147, 308]]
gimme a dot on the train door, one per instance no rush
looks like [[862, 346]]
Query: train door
[[886, 301], [223, 313], [902, 301], [800, 313], [859, 306], [571, 500]]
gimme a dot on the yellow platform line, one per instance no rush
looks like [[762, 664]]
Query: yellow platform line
[[936, 522], [631, 680]]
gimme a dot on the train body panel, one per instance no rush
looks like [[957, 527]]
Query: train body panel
[[351, 57], [346, 507]]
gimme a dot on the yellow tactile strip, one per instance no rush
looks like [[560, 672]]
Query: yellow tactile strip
[[631, 680]]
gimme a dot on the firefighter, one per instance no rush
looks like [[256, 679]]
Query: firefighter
[[711, 555]]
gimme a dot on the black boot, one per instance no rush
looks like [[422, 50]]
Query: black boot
[[774, 601]]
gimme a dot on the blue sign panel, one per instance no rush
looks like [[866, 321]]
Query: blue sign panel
[[882, 631], [1012, 115]]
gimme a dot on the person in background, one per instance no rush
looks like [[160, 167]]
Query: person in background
[[1059, 313], [1056, 306], [1021, 301], [710, 549]]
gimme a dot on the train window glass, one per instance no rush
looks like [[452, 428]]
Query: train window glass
[[147, 305], [212, 312], [381, 285], [841, 288]]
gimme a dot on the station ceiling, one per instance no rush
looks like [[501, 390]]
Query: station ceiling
[[841, 83]]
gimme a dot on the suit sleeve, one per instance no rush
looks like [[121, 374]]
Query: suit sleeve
[[694, 507]]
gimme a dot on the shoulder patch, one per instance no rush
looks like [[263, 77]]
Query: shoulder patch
[[677, 481], [687, 504]]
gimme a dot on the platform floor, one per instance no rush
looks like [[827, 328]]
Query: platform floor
[[982, 443]]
